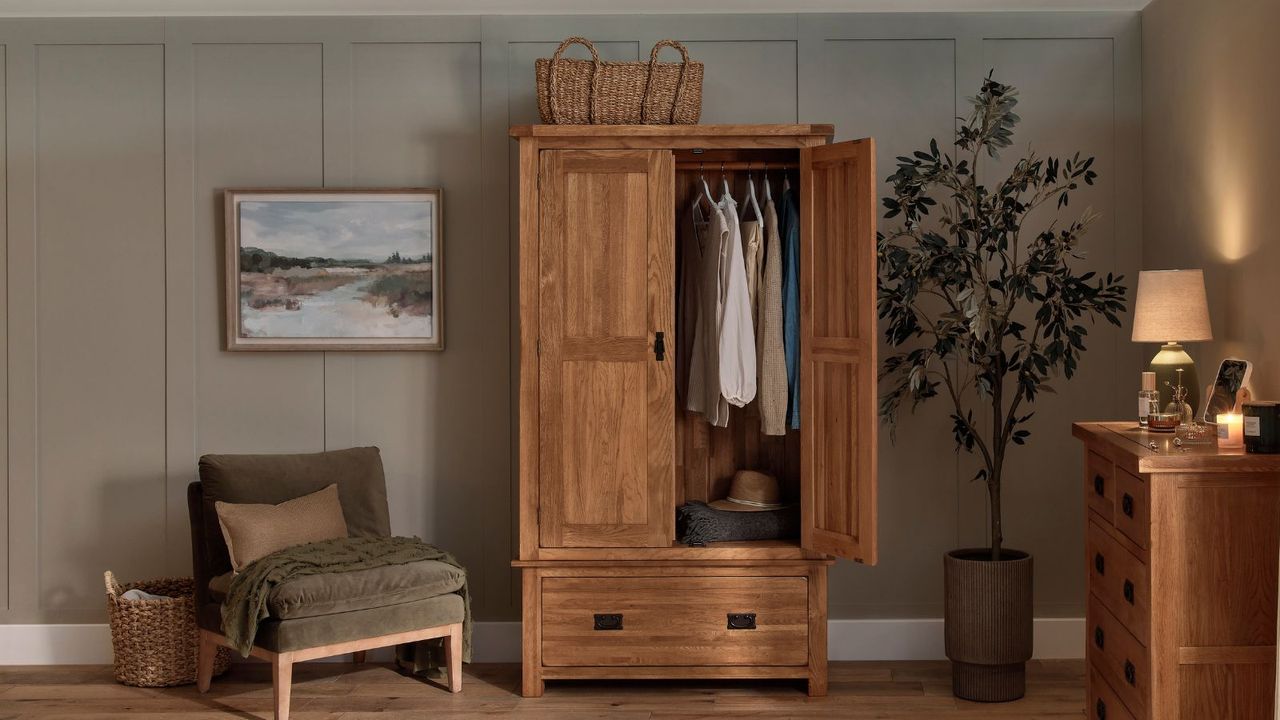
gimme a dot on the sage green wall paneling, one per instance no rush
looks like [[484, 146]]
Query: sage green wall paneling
[[340, 101], [416, 122], [1066, 102], [4, 346], [258, 123], [100, 316], [903, 80], [869, 83], [745, 81]]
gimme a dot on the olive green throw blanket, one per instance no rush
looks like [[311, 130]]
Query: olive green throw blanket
[[246, 603]]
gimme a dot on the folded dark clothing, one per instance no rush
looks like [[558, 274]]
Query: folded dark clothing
[[698, 524]]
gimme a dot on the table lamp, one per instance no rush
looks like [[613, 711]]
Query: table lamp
[[1171, 308]]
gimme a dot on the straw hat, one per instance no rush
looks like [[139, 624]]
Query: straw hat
[[751, 491]]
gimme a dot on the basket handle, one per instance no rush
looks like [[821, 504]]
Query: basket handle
[[680, 83], [113, 587], [553, 77]]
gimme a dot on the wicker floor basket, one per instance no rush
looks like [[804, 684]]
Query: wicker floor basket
[[155, 641], [594, 92]]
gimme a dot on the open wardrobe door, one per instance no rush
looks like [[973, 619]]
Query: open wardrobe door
[[838, 349]]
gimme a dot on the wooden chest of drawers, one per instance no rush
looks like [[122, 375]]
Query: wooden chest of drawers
[[1182, 555]]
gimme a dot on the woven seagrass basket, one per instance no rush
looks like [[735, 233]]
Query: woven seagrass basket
[[596, 92], [155, 641]]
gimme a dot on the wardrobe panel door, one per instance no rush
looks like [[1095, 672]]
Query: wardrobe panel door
[[837, 349], [607, 285]]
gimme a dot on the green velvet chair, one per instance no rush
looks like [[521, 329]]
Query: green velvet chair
[[319, 615]]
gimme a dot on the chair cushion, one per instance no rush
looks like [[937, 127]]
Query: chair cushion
[[330, 593], [309, 632], [273, 479], [253, 530]]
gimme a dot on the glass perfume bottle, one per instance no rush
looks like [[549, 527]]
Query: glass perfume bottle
[[1148, 398]]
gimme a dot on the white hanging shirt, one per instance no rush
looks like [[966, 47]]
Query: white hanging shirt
[[736, 336]]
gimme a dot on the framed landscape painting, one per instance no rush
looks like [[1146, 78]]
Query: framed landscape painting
[[323, 269]]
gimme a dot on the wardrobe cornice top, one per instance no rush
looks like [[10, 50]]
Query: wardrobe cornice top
[[672, 131]]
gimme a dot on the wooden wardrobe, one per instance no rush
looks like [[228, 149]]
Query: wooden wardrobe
[[606, 454]]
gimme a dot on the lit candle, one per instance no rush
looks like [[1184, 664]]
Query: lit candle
[[1230, 430]]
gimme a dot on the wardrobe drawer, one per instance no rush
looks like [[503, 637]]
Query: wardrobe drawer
[[1119, 658], [1120, 581], [1133, 512], [1104, 704], [1099, 486], [640, 621]]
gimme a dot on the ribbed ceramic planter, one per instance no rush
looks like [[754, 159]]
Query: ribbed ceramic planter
[[988, 623]]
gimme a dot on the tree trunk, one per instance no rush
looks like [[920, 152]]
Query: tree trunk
[[997, 527]]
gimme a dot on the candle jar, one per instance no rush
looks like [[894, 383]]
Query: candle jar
[[1230, 430]]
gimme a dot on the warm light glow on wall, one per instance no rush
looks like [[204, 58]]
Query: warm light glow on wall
[[1227, 154]]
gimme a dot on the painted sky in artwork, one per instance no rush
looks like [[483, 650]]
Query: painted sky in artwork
[[339, 229]]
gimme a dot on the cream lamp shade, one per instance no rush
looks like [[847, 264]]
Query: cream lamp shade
[[1171, 307]]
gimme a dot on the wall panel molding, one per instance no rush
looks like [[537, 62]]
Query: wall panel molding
[[340, 101]]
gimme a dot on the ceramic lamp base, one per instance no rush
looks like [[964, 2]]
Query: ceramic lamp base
[[1166, 365]]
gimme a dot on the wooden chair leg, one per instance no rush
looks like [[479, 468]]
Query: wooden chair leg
[[204, 660], [453, 655], [357, 657], [281, 683]]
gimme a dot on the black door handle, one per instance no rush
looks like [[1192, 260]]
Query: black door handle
[[1101, 710], [1100, 564], [1099, 637], [1126, 504], [742, 621], [1130, 673], [1128, 591], [1099, 485], [659, 346], [608, 621]]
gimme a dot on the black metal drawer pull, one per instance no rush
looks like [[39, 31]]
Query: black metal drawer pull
[[1126, 504], [1099, 637], [608, 621], [1128, 591], [1130, 673], [1099, 485], [742, 621], [1101, 710], [1100, 564]]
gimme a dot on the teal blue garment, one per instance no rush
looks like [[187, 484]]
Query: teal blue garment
[[789, 230]]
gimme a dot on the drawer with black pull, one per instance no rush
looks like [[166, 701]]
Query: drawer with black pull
[[1119, 580], [664, 621], [1099, 486], [1133, 508], [1118, 656], [1103, 703]]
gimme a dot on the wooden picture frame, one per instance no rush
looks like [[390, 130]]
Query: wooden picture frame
[[334, 269]]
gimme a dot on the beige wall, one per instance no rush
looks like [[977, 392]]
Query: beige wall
[[120, 133], [1210, 156]]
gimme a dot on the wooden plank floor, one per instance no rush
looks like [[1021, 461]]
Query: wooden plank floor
[[862, 691]]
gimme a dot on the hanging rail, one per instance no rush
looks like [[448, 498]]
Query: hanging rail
[[712, 166]]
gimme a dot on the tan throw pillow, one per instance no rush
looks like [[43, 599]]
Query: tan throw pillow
[[254, 531]]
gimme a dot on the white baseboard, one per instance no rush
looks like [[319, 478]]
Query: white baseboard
[[908, 639]]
